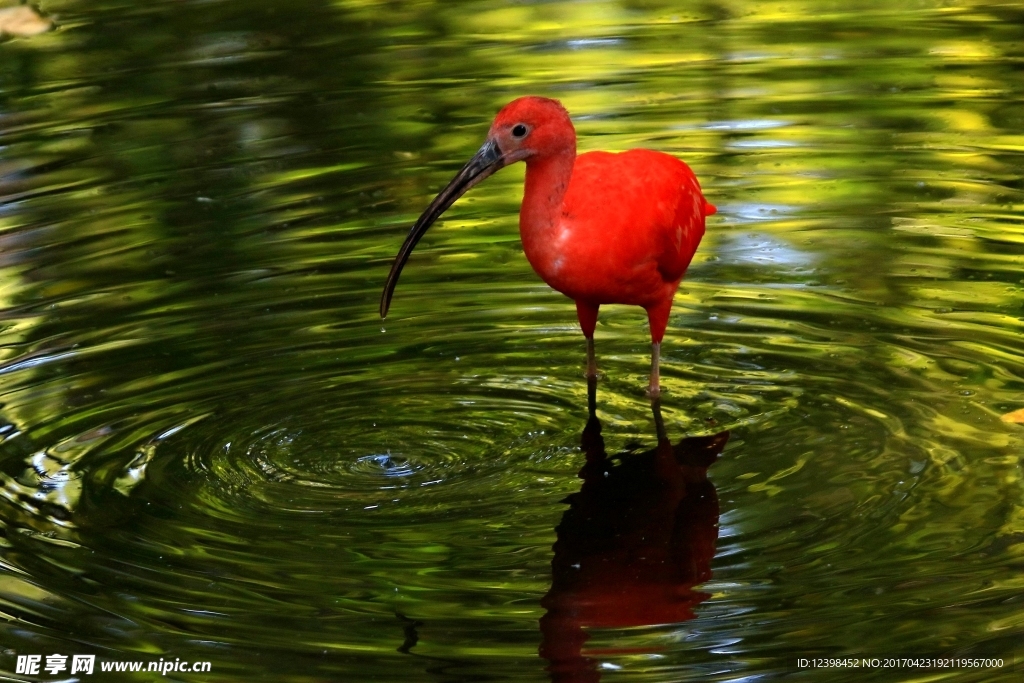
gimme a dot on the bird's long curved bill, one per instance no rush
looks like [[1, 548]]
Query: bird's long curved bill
[[485, 162]]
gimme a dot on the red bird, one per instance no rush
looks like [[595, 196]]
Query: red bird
[[601, 228]]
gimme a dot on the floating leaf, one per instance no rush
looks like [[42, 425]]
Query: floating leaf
[[1016, 416], [22, 22]]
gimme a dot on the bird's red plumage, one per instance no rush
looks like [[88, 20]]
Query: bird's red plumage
[[637, 218], [601, 228]]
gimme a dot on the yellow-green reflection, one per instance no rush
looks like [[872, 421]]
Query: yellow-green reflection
[[212, 448]]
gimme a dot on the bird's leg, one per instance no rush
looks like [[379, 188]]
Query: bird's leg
[[591, 360], [592, 397], [664, 460], [654, 388], [587, 314], [659, 423], [658, 317], [592, 443]]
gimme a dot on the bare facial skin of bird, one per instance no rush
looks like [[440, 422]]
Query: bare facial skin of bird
[[600, 228]]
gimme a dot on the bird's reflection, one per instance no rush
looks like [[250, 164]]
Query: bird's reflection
[[636, 539]]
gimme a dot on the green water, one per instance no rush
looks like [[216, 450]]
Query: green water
[[214, 450]]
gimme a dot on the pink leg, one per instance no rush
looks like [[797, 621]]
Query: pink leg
[[587, 313], [654, 388], [658, 318]]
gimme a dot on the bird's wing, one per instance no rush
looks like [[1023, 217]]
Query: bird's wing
[[679, 223], [646, 204]]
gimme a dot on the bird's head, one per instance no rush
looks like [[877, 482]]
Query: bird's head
[[527, 129], [532, 127]]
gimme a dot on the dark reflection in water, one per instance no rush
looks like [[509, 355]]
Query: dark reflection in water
[[636, 539]]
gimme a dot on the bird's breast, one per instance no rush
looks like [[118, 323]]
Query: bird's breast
[[586, 265], [550, 255], [624, 231]]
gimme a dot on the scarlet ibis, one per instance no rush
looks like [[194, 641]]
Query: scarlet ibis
[[601, 228]]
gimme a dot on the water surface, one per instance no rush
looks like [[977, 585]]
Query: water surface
[[213, 449]]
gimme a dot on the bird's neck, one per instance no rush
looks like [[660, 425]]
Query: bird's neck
[[547, 179]]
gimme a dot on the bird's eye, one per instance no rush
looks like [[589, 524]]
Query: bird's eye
[[519, 130]]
